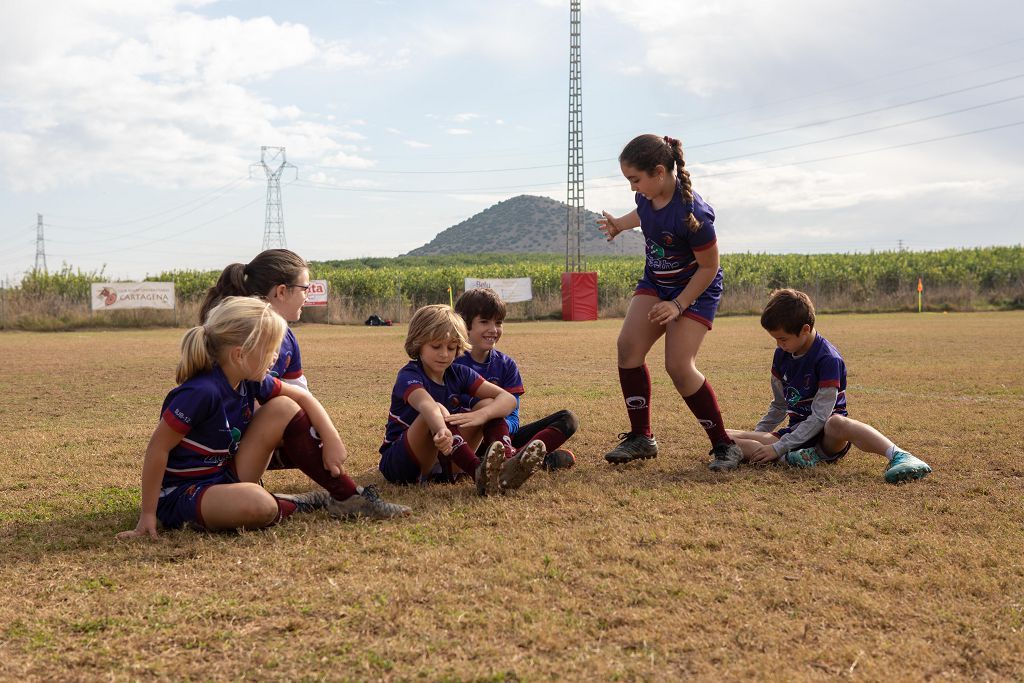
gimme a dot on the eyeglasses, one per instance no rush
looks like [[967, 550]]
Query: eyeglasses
[[304, 288]]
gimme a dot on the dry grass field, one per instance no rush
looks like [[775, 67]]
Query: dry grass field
[[656, 571]]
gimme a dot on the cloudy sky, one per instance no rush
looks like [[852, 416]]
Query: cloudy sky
[[133, 126]]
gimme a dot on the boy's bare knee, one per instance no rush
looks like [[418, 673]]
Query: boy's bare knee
[[836, 425]]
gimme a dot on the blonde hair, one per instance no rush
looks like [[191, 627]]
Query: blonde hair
[[236, 321], [437, 322]]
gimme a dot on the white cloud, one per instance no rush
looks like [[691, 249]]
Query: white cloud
[[415, 144], [342, 56], [463, 118], [151, 94], [459, 131]]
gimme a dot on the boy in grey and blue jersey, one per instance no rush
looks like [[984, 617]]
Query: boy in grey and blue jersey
[[809, 386]]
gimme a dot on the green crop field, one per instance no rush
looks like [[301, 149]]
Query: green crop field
[[654, 571], [954, 280]]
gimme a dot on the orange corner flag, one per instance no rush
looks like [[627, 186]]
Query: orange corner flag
[[920, 287]]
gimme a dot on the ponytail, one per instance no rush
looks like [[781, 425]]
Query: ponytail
[[269, 269], [240, 321], [230, 283], [647, 152], [195, 355]]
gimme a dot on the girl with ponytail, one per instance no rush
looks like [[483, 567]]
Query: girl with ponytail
[[211, 445], [677, 296], [280, 277]]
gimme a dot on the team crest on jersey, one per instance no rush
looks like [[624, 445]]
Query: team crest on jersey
[[792, 396], [654, 249], [667, 238], [454, 402]]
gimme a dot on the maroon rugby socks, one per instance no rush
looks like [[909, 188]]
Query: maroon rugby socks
[[704, 405], [303, 448], [462, 455], [636, 389], [285, 508], [497, 430]]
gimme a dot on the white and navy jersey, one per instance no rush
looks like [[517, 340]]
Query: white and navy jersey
[[501, 370], [801, 376], [670, 260], [288, 366], [212, 416], [459, 382]]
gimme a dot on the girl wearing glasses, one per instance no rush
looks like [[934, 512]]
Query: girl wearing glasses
[[281, 277]]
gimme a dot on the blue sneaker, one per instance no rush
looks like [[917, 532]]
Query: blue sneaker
[[803, 457], [905, 467]]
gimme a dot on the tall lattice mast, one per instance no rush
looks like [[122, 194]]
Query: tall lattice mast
[[574, 215], [273, 230], [40, 245]]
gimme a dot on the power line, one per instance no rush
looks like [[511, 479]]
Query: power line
[[136, 233], [863, 152], [107, 224], [717, 116], [177, 233], [801, 126], [538, 186], [863, 132]]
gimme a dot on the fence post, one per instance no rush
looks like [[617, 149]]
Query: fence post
[[3, 304]]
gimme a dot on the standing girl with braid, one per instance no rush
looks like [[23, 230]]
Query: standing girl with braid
[[677, 296]]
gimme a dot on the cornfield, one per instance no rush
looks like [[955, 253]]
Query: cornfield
[[953, 279]]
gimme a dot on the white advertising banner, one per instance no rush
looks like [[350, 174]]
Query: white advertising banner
[[109, 296], [509, 289], [316, 295]]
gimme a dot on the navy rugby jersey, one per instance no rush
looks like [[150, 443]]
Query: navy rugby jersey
[[501, 370], [459, 382], [212, 416], [802, 376], [670, 244], [288, 366]]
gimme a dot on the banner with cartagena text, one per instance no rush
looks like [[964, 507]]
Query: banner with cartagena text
[[316, 295], [109, 296], [509, 289]]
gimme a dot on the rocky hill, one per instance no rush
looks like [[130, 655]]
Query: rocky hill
[[525, 224]]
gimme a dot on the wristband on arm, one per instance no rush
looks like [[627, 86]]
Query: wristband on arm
[[679, 306]]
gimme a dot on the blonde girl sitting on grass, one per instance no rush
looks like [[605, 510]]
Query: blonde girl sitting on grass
[[212, 445]]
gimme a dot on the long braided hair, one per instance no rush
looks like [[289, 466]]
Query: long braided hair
[[646, 152]]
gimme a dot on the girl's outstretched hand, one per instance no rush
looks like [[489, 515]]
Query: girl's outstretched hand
[[145, 527], [608, 226], [663, 312]]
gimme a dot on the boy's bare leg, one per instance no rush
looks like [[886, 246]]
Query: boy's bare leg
[[903, 466], [421, 441], [840, 429]]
